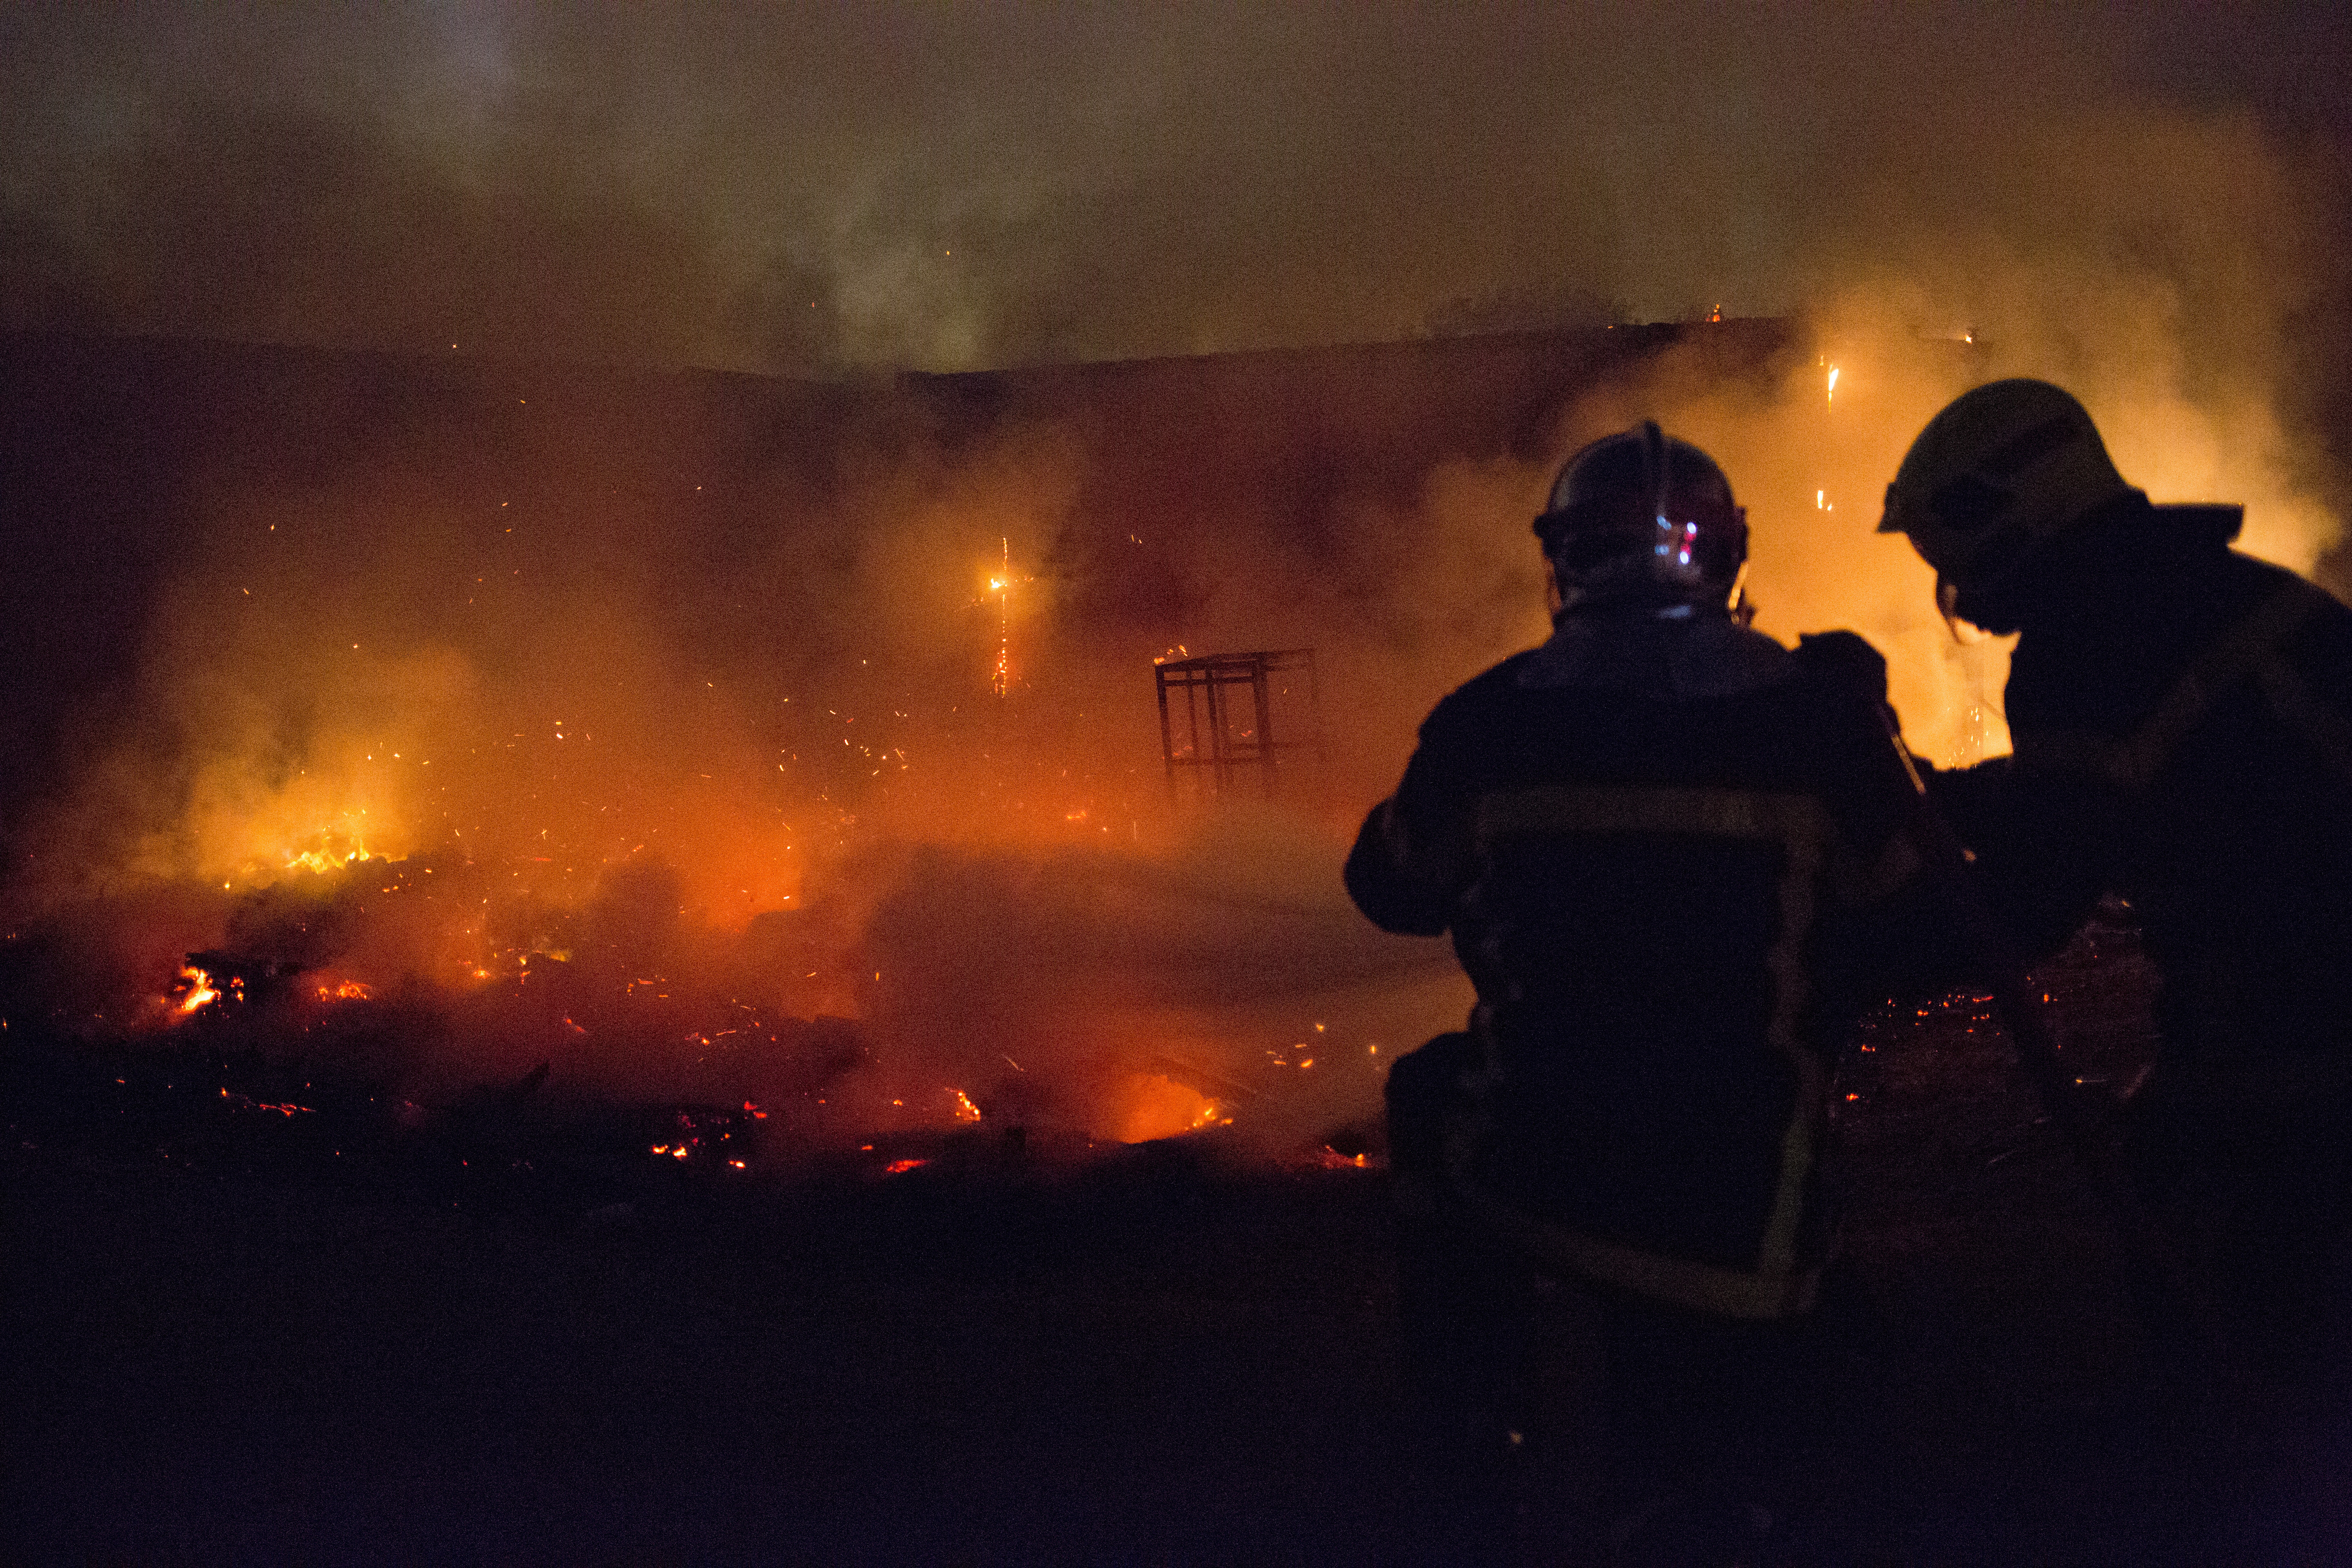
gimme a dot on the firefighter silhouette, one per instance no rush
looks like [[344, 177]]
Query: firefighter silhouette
[[2183, 719], [1670, 861]]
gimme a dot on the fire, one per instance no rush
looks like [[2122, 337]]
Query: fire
[[326, 859], [965, 1110], [346, 991], [201, 990], [1159, 1106], [1000, 585]]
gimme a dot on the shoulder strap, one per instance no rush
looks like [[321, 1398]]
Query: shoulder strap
[[2248, 647]]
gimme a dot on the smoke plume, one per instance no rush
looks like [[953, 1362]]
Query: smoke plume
[[688, 675]]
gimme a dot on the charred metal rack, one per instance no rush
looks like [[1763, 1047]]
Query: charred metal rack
[[1232, 703]]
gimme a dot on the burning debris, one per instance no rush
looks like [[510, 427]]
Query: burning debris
[[819, 845], [192, 991], [730, 1138], [228, 981]]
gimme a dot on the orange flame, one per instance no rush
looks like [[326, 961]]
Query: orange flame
[[1159, 1106], [201, 990]]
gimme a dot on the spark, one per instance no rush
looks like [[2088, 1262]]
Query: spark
[[1001, 679]]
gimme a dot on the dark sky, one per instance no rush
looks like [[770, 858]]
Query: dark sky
[[958, 185]]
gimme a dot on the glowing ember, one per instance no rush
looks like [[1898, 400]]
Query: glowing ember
[[965, 1110], [283, 1108], [346, 991], [900, 1167]]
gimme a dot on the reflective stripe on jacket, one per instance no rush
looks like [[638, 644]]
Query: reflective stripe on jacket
[[1777, 1281], [1671, 898]]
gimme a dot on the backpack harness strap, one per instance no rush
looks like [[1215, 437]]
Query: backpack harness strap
[[2250, 648]]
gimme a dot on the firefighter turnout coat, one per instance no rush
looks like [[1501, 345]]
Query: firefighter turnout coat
[[1672, 855], [2183, 739]]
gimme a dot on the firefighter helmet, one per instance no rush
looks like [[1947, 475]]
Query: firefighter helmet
[[1642, 519], [1996, 473]]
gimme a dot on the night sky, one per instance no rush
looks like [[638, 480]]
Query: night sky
[[778, 187]]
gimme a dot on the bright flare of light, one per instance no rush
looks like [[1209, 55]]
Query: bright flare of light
[[1001, 679], [1831, 394], [200, 989]]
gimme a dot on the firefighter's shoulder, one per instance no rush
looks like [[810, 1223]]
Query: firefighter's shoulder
[[1843, 662], [1471, 703]]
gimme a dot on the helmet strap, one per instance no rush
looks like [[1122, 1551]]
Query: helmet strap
[[1741, 607], [1654, 463]]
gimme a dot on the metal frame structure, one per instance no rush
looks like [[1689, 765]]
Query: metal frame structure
[[1236, 741]]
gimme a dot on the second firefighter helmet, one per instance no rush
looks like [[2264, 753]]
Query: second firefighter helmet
[[1642, 519], [1996, 474]]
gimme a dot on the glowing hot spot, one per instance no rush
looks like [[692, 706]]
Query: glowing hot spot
[[1159, 1106], [200, 990]]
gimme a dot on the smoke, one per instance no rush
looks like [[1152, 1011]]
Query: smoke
[[974, 186], [513, 691], [688, 677]]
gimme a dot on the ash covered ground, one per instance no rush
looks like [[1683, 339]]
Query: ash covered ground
[[510, 1330]]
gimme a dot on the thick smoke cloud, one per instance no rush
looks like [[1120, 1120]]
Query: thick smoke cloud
[[948, 187], [657, 716]]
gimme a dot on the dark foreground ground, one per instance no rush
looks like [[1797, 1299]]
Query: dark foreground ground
[[1167, 1354]]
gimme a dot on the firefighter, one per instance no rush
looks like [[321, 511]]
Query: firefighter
[[1674, 864], [2182, 722]]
